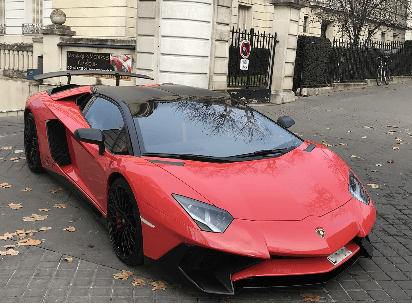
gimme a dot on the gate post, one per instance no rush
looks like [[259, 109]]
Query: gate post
[[51, 51], [286, 25]]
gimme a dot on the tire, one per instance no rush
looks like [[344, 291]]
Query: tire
[[123, 219], [31, 144], [379, 77], [387, 76]]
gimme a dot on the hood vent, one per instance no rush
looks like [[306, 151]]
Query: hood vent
[[310, 148], [166, 162]]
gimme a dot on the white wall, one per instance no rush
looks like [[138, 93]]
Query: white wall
[[185, 33], [174, 41], [14, 93], [15, 16], [131, 17], [99, 18], [260, 14], [47, 9]]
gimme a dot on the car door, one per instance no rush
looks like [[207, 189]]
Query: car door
[[100, 113]]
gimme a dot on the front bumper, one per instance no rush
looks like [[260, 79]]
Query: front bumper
[[261, 253], [219, 272]]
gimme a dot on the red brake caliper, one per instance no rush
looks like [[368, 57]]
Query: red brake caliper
[[118, 221]]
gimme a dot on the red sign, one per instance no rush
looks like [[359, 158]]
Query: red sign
[[245, 49]]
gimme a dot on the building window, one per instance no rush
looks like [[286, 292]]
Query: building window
[[395, 37], [34, 17], [305, 24], [383, 37], [243, 17], [37, 11]]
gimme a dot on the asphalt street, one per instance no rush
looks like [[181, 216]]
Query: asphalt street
[[370, 129]]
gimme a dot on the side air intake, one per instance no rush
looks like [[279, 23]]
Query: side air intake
[[59, 150]]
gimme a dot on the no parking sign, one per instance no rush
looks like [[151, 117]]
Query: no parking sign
[[245, 49], [244, 52]]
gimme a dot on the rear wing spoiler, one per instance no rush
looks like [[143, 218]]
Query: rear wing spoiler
[[71, 73]]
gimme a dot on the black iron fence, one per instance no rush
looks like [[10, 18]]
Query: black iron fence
[[349, 63], [261, 59]]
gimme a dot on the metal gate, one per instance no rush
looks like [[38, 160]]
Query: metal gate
[[261, 60]]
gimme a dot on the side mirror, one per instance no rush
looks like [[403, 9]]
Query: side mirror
[[285, 122], [91, 136]]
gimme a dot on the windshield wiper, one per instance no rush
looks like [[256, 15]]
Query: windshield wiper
[[228, 159], [267, 152], [187, 157]]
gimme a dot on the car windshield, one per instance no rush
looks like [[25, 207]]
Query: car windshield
[[215, 130]]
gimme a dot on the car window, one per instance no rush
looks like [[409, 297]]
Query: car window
[[210, 129], [104, 115]]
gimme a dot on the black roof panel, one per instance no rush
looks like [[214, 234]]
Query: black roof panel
[[186, 91], [132, 94], [139, 94]]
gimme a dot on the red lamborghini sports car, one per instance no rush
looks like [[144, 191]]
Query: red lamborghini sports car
[[235, 197]]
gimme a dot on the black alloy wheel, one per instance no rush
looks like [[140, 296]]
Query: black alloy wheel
[[123, 219], [31, 144]]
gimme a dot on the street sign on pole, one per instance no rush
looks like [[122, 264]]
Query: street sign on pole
[[245, 48], [244, 64]]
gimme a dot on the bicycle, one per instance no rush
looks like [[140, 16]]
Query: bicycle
[[383, 73]]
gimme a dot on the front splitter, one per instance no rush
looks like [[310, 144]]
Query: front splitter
[[223, 273]]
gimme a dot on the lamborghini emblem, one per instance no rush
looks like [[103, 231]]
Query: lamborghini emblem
[[321, 232]]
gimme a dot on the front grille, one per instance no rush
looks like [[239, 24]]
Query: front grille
[[279, 257], [295, 280]]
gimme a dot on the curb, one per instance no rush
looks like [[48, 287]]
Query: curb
[[12, 113], [339, 87]]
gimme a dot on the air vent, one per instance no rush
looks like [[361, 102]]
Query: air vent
[[59, 150], [310, 148]]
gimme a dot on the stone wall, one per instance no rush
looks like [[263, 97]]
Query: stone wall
[[220, 45], [260, 14], [14, 93], [174, 41], [18, 12], [100, 18]]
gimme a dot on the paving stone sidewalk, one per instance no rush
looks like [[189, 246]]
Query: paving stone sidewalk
[[353, 124]]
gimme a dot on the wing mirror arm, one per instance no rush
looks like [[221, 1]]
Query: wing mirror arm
[[102, 148], [91, 136]]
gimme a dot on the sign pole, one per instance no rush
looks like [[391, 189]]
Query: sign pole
[[252, 31], [245, 48]]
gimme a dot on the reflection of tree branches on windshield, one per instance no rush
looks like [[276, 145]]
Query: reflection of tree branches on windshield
[[224, 118]]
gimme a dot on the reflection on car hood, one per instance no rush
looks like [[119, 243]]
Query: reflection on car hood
[[291, 187]]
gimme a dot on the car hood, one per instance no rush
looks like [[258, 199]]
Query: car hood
[[291, 187]]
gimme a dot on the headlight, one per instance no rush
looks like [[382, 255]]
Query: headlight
[[207, 217], [357, 190]]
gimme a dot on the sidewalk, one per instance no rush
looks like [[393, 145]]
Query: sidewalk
[[354, 122]]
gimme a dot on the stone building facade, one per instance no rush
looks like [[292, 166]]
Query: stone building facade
[[311, 25], [173, 41]]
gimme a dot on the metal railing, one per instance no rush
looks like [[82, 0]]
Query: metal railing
[[31, 28], [349, 63], [15, 59], [261, 59]]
